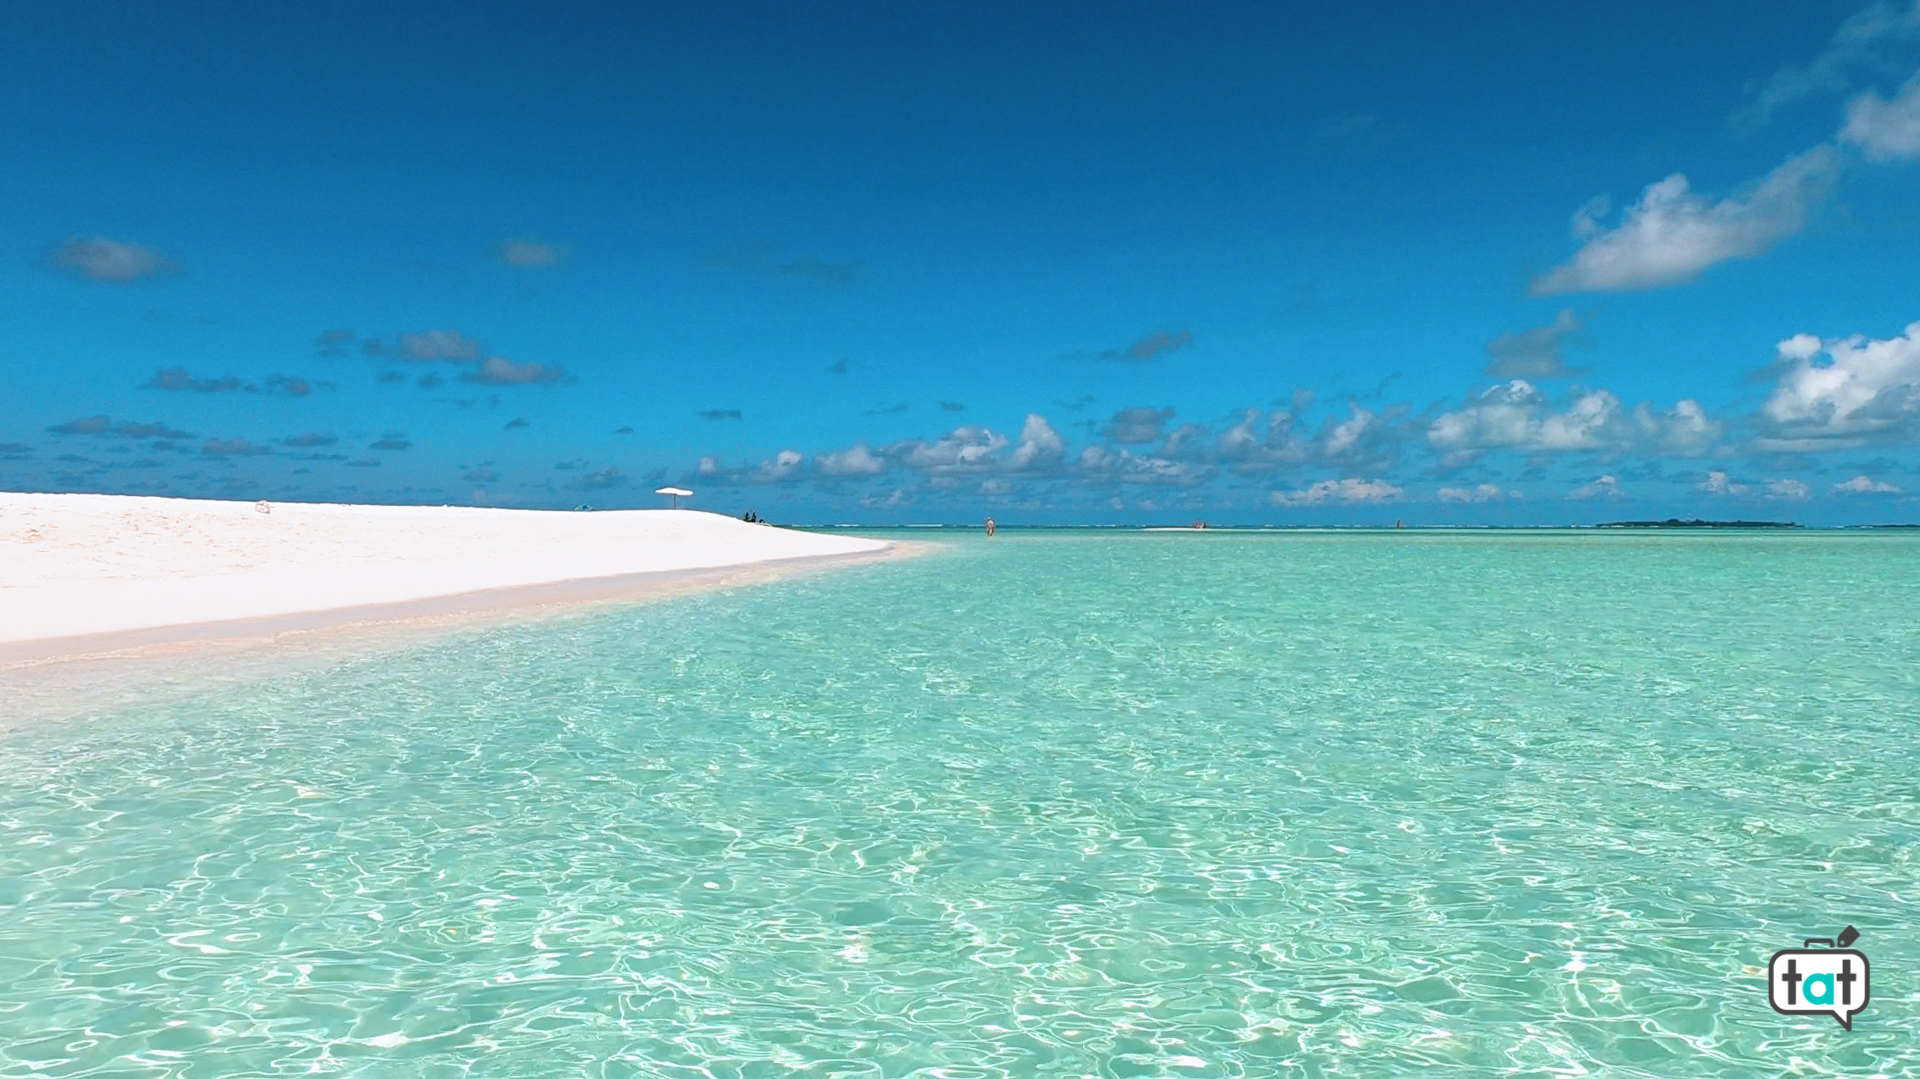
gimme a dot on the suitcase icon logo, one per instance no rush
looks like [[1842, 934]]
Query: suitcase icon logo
[[1830, 979]]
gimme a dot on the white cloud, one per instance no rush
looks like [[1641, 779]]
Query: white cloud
[[1040, 445], [1885, 130], [1350, 490], [1187, 441], [1504, 415], [964, 451], [1852, 45], [1671, 234], [439, 345], [1787, 490], [1485, 492], [1338, 439], [978, 452], [101, 259], [494, 371], [1843, 389], [779, 468], [1601, 487], [1103, 463], [1582, 425], [1683, 429], [1516, 415], [1263, 442], [857, 461], [1717, 483], [1365, 440], [1865, 485]]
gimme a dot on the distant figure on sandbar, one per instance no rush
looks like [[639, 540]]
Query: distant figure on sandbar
[[989, 526], [752, 518]]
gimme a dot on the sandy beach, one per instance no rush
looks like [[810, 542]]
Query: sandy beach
[[75, 565]]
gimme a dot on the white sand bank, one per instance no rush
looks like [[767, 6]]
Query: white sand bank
[[74, 565]]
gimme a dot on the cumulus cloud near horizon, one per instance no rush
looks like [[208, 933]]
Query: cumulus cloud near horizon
[[1103, 465], [1368, 452], [1258, 443], [1716, 482], [780, 466], [968, 449], [1601, 487], [1787, 490], [856, 460], [1841, 391], [966, 452], [1349, 490], [1517, 415], [1482, 492], [1865, 485]]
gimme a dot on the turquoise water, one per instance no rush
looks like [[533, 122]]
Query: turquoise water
[[1054, 805]]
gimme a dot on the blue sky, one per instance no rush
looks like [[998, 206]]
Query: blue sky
[[1339, 263]]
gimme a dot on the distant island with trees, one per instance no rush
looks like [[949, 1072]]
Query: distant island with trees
[[1675, 522]]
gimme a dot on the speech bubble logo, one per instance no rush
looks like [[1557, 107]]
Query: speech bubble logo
[[1819, 981]]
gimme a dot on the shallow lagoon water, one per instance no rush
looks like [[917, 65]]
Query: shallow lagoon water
[[1057, 804]]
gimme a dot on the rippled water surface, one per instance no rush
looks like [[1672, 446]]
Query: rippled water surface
[[1049, 805]]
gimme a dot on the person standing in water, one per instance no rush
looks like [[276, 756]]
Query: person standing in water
[[989, 526]]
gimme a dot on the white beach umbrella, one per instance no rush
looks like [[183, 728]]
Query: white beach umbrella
[[677, 492]]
